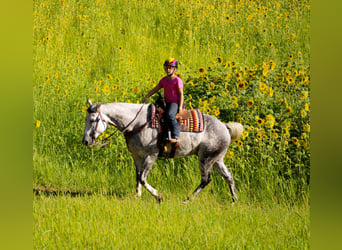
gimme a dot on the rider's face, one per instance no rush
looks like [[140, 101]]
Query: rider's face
[[170, 70]]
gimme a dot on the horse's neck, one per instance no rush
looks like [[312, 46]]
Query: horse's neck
[[122, 114]]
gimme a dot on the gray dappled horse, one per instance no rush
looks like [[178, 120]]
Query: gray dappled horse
[[210, 145]]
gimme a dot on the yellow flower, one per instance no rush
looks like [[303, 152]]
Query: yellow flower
[[270, 120], [290, 80], [295, 140], [216, 112], [306, 127], [240, 143], [303, 113], [211, 85], [271, 92], [259, 136], [306, 107], [234, 98], [230, 154], [260, 121], [240, 85], [37, 123], [201, 70], [250, 103], [272, 65], [289, 110], [237, 75], [304, 94], [105, 89], [263, 87], [84, 109], [244, 134]]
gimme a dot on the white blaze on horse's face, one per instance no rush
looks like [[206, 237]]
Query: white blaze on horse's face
[[95, 125]]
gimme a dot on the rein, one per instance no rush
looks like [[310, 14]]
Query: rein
[[121, 132]]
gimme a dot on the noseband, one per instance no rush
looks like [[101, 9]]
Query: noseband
[[98, 119]]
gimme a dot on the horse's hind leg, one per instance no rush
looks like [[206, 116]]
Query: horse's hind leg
[[227, 175], [205, 167]]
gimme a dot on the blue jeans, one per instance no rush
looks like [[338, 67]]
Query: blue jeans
[[171, 111]]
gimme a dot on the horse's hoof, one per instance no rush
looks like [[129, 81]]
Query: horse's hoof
[[160, 198], [186, 201]]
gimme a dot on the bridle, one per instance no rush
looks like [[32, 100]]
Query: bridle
[[106, 122]]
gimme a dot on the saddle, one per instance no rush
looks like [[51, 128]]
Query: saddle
[[188, 121]]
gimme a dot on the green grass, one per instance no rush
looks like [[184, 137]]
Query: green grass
[[102, 222]]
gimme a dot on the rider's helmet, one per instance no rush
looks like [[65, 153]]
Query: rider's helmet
[[171, 62]]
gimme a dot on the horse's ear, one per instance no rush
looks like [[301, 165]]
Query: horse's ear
[[89, 102], [98, 106]]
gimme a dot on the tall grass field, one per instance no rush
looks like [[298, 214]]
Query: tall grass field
[[245, 61]]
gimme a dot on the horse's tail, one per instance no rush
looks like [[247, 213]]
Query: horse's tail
[[235, 130]]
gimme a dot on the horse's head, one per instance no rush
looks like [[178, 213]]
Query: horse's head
[[96, 123]]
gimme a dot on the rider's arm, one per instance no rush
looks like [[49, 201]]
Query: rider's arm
[[152, 92], [181, 99]]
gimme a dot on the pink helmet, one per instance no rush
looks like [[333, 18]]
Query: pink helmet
[[171, 62]]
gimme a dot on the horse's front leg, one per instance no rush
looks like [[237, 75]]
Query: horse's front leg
[[138, 174], [143, 167]]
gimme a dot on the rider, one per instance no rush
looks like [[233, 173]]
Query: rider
[[173, 93]]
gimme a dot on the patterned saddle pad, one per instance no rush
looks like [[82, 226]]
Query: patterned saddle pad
[[195, 122]]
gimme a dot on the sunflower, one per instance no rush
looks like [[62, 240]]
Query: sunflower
[[260, 121], [270, 44], [238, 75], [303, 113], [289, 110], [250, 103], [275, 135], [270, 121], [230, 154], [290, 80], [240, 144], [240, 85], [37, 124], [295, 141], [201, 70], [271, 92], [244, 134], [263, 87], [306, 107], [219, 60], [178, 74], [105, 89], [290, 56], [306, 127], [259, 136], [211, 85], [272, 65]]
